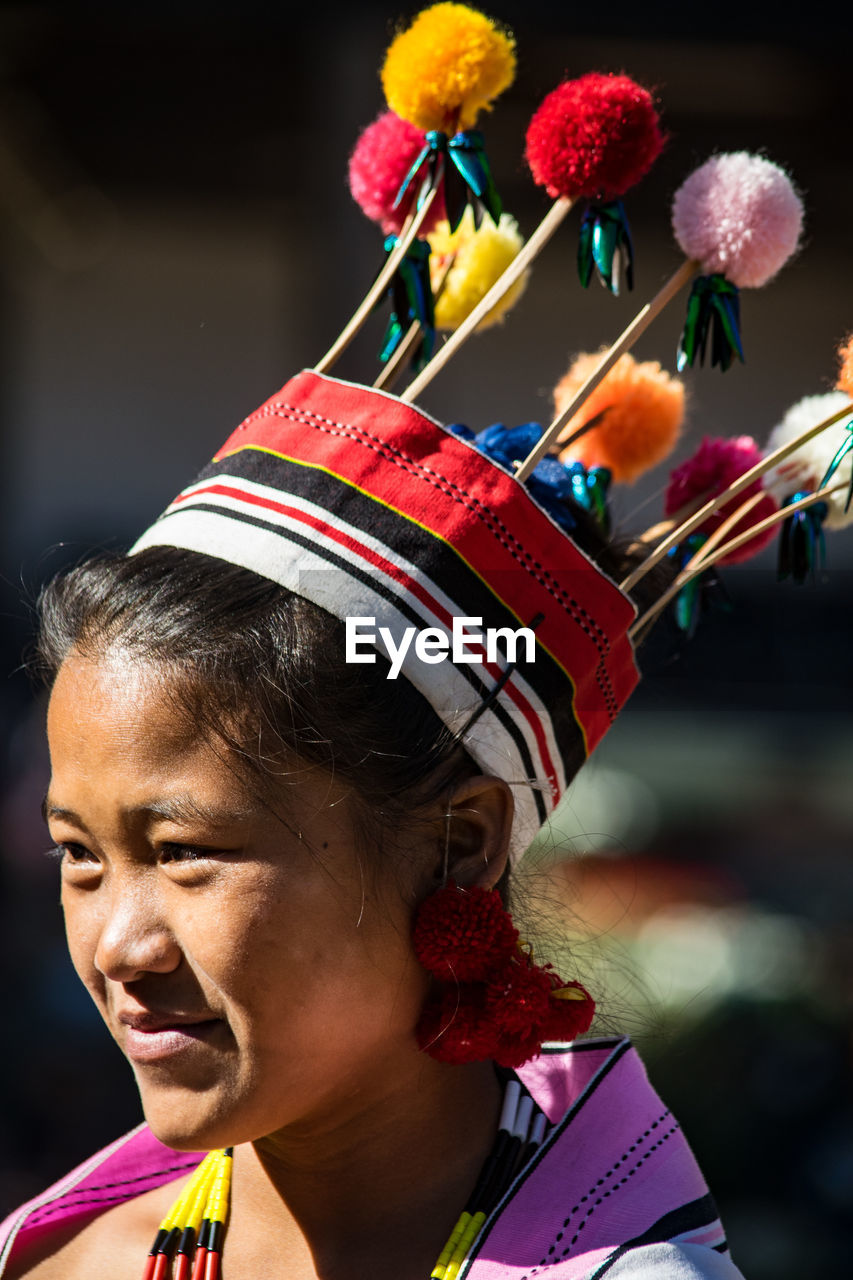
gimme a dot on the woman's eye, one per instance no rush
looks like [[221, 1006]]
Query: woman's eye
[[185, 853], [69, 852]]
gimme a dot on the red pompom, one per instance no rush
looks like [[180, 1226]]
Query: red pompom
[[526, 1011], [518, 1000], [463, 934], [491, 1000], [380, 161], [593, 137], [517, 1006], [568, 1017], [716, 464], [454, 1027]]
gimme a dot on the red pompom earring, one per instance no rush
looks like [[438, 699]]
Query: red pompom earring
[[489, 999]]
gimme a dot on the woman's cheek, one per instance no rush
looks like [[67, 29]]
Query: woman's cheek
[[233, 935], [82, 929]]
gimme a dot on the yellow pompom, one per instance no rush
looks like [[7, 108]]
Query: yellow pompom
[[477, 258], [642, 410], [447, 67]]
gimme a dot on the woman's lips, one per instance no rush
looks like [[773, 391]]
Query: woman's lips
[[162, 1040]]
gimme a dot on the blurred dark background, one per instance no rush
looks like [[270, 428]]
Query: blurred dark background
[[176, 238]]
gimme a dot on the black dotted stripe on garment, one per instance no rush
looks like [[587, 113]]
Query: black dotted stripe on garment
[[85, 1196], [551, 1256]]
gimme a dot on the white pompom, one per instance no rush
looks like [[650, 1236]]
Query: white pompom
[[805, 468]]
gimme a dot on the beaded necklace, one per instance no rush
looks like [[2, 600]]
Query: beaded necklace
[[188, 1244]]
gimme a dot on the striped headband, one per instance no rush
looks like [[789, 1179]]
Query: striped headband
[[362, 504]]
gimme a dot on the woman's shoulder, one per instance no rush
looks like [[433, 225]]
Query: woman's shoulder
[[111, 1189], [615, 1182], [109, 1246]]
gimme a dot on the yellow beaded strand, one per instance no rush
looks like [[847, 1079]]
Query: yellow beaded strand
[[192, 1218], [216, 1209], [207, 1194], [175, 1214], [197, 1185]]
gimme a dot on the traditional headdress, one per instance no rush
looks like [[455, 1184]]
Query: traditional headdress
[[453, 555], [401, 527], [371, 509]]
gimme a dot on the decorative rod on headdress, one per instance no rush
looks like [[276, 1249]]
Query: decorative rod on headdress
[[702, 563], [737, 487], [450, 64], [630, 423], [573, 157], [379, 162], [826, 459], [463, 266], [808, 453], [745, 217]]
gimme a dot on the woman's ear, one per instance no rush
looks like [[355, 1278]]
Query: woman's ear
[[477, 824]]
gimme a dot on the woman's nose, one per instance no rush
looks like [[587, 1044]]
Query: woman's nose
[[134, 938]]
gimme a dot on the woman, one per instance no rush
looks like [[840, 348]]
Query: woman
[[284, 874]]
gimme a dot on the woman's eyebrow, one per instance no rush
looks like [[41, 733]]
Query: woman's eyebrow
[[186, 808], [180, 808], [50, 810]]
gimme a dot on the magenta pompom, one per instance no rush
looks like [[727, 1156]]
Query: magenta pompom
[[716, 464], [380, 161], [739, 215], [593, 137]]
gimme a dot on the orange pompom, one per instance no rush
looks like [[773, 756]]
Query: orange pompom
[[642, 410], [845, 373]]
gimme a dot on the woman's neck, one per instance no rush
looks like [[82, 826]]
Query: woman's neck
[[377, 1185]]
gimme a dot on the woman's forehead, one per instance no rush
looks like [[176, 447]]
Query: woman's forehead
[[115, 702], [118, 732]]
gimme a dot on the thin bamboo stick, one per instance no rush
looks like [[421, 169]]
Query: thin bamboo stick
[[519, 264], [776, 518], [720, 499], [392, 369], [664, 527], [623, 343], [411, 227], [703, 559], [714, 539], [700, 554]]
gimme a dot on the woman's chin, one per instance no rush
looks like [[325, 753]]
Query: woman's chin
[[191, 1123]]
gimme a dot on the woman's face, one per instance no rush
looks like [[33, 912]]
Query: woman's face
[[241, 958]]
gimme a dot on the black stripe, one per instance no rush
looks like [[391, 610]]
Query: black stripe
[[688, 1217], [377, 585], [622, 1047], [435, 557], [414, 468], [423, 548]]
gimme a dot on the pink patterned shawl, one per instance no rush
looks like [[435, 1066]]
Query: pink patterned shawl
[[614, 1179]]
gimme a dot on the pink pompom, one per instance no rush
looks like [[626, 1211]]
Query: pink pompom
[[593, 137], [378, 166], [716, 464], [740, 215]]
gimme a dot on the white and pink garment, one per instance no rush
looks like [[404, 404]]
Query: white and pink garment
[[613, 1191]]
